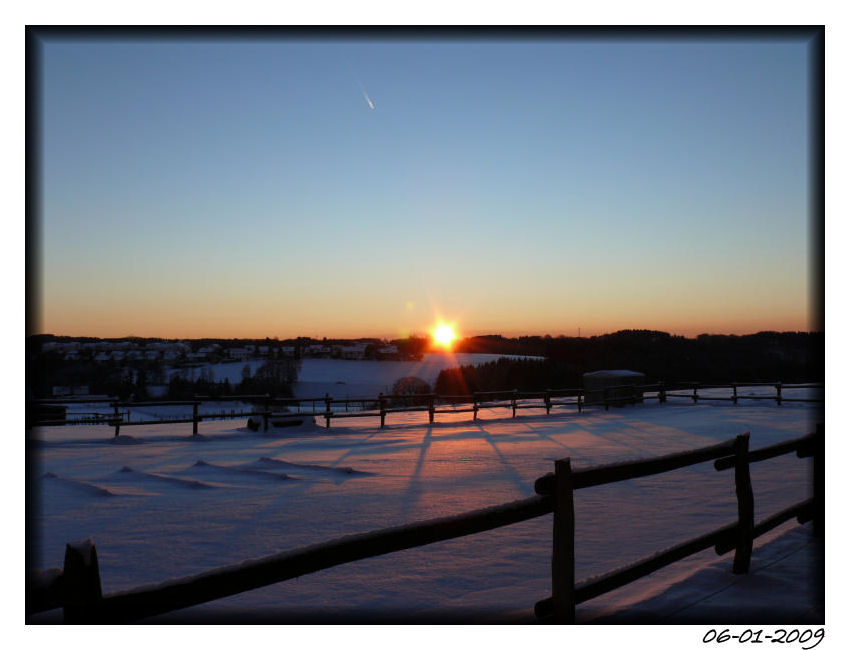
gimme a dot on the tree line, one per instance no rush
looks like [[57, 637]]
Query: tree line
[[133, 379], [766, 356]]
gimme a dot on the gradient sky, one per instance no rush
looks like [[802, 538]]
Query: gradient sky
[[247, 189]]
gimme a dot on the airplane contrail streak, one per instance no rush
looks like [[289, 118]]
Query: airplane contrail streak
[[368, 101]]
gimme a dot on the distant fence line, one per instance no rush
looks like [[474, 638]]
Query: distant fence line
[[77, 587], [280, 409]]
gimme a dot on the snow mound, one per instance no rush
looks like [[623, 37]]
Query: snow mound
[[230, 470], [128, 473], [295, 423], [81, 487], [125, 440], [273, 463]]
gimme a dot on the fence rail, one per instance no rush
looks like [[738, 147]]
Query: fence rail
[[77, 587], [280, 408]]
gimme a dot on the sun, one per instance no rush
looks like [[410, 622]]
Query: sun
[[443, 335]]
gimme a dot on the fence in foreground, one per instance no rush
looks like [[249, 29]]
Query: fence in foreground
[[289, 409], [77, 587]]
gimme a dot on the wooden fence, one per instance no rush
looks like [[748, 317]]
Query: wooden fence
[[291, 408], [77, 587]]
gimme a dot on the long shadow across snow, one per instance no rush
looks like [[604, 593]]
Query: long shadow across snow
[[413, 492], [525, 487]]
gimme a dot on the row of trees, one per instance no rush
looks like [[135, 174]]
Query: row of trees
[[134, 380], [766, 356], [507, 374], [273, 378]]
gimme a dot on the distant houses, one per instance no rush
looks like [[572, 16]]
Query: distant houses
[[196, 352], [352, 351], [387, 352]]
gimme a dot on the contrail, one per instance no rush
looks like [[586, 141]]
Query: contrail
[[368, 101]]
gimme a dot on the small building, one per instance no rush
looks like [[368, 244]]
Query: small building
[[619, 386], [242, 354], [387, 352], [352, 351]]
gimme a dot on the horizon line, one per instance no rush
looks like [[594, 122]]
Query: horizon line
[[417, 335]]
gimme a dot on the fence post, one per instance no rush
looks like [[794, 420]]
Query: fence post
[[662, 395], [779, 393], [474, 406], [383, 407], [430, 409], [266, 408], [547, 400], [818, 486], [81, 577], [195, 419], [695, 396], [328, 411], [579, 400], [563, 545], [513, 403], [734, 393], [117, 419], [744, 493]]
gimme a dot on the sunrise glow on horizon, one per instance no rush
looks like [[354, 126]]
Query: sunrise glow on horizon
[[444, 335], [238, 189]]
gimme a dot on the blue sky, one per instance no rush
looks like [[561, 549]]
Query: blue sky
[[247, 188]]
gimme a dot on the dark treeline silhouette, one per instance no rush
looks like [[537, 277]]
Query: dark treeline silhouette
[[131, 379], [766, 356], [273, 378]]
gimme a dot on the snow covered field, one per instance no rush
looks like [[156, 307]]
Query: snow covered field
[[355, 378], [160, 504]]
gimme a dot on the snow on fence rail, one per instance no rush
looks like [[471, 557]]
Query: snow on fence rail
[[382, 405], [77, 587]]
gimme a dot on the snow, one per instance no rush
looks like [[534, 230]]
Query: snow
[[353, 378], [161, 504], [612, 374]]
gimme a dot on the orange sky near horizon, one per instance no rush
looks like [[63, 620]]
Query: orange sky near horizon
[[255, 320]]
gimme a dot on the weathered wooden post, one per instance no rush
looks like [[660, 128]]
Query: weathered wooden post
[[328, 411], [431, 409], [580, 399], [383, 407], [818, 487], [746, 517], [734, 393], [662, 394], [695, 396], [547, 400], [513, 403], [81, 576], [117, 419], [779, 393], [195, 419], [474, 406], [563, 545]]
